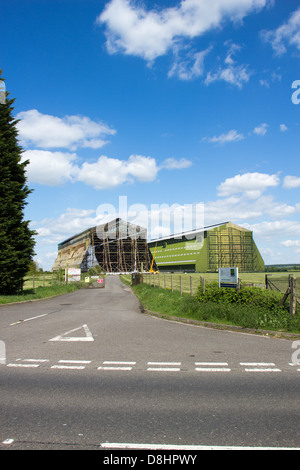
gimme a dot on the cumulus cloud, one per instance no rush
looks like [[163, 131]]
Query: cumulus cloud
[[288, 34], [133, 30], [173, 164], [57, 168], [111, 172], [251, 184], [50, 168], [46, 131], [261, 129], [231, 136], [291, 182]]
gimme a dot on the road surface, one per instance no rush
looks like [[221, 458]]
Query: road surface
[[88, 370]]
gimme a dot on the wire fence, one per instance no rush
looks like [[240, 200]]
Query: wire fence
[[184, 283], [281, 283]]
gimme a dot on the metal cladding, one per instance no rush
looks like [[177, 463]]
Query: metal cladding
[[208, 249], [117, 246]]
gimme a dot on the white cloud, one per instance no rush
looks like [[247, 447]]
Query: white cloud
[[149, 34], [286, 34], [56, 168], [110, 172], [46, 131], [291, 243], [192, 66], [231, 136], [261, 130], [251, 184], [235, 75], [173, 164], [291, 182], [283, 128], [50, 168]]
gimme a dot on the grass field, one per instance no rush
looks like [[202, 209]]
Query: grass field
[[39, 293]]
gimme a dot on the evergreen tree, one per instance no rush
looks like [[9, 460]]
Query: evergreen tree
[[16, 239]]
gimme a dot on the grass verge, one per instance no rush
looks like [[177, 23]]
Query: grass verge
[[40, 293], [249, 316]]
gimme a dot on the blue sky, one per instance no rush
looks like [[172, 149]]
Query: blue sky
[[163, 105]]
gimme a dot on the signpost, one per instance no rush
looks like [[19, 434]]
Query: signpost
[[72, 275], [228, 277]]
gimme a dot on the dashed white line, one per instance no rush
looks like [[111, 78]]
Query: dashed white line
[[164, 366], [117, 365], [23, 365], [260, 367], [57, 366], [33, 360], [73, 361], [212, 367], [29, 319]]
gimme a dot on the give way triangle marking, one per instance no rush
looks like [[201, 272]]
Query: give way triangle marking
[[64, 337]]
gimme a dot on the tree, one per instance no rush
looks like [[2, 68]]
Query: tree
[[16, 239]]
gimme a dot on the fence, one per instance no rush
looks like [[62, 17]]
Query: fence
[[183, 282], [46, 279], [186, 283], [285, 284]]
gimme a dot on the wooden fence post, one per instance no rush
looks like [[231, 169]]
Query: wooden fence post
[[203, 284], [292, 295]]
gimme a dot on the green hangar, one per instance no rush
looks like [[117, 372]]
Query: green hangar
[[205, 250]]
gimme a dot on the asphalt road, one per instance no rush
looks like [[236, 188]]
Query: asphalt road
[[88, 369]]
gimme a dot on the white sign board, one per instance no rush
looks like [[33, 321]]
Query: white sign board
[[73, 274], [228, 277]]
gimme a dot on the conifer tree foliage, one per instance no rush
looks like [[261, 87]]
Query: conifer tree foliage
[[16, 239]]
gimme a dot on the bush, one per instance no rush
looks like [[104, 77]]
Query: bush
[[254, 296]]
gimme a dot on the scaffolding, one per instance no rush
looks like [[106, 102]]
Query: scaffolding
[[117, 246], [231, 247]]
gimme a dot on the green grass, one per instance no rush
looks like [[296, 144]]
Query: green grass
[[40, 293], [259, 310]]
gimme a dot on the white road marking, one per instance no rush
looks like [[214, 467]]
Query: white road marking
[[28, 319], [64, 337], [67, 367], [260, 367], [23, 365], [159, 366], [212, 367], [33, 360], [74, 361], [117, 365], [122, 446], [8, 441], [164, 363], [127, 363]]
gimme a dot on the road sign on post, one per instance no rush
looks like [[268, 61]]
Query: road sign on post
[[229, 277]]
